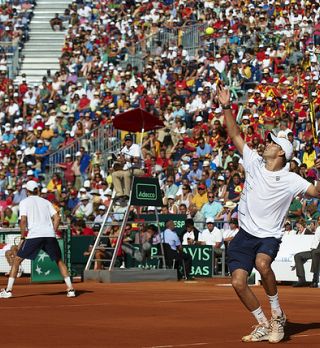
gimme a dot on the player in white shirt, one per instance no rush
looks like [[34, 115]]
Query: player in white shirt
[[268, 191], [38, 223]]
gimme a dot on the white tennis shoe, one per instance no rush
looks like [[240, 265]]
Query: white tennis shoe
[[71, 293], [277, 324], [260, 333], [5, 294]]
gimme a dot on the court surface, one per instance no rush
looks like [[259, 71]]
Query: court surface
[[205, 313]]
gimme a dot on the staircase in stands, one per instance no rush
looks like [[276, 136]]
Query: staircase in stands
[[42, 52]]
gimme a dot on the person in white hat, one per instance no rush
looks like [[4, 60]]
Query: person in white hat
[[211, 235], [84, 208], [100, 215], [39, 222], [268, 191]]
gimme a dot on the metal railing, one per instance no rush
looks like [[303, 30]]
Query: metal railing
[[12, 52], [105, 139], [188, 36]]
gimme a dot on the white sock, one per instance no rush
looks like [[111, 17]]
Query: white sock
[[67, 280], [10, 283], [260, 317], [275, 305]]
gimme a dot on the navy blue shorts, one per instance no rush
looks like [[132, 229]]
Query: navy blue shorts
[[244, 247], [31, 247]]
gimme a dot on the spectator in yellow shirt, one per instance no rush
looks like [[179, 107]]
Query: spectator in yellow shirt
[[200, 198], [309, 155]]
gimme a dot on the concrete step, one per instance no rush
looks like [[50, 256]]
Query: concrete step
[[37, 66], [45, 39], [40, 60], [46, 33], [40, 73], [42, 44], [41, 26], [41, 54], [47, 11], [41, 20], [56, 2], [53, 5], [40, 49]]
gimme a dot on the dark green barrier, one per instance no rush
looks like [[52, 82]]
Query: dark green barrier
[[45, 270], [79, 245], [178, 219]]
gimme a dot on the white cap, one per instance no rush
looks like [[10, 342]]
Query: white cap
[[206, 164], [210, 219], [284, 143], [221, 177], [87, 183], [31, 185], [108, 191], [40, 141], [102, 207], [78, 154], [44, 190], [185, 167], [171, 197], [84, 197], [199, 119], [29, 163], [30, 172]]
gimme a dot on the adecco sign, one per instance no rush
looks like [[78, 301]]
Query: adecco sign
[[146, 192]]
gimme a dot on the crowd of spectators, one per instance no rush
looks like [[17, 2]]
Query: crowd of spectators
[[266, 52], [15, 17]]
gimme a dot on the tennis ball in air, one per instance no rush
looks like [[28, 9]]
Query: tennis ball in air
[[209, 31]]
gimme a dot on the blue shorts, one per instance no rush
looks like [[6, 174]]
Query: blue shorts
[[244, 247], [31, 247]]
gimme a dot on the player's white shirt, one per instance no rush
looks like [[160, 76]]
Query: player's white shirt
[[211, 238], [39, 212], [266, 196]]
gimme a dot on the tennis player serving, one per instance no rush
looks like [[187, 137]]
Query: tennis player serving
[[268, 191], [39, 220]]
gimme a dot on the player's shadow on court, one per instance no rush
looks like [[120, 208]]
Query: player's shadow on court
[[57, 293], [293, 329]]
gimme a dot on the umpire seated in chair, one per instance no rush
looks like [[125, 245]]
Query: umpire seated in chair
[[301, 258], [129, 164], [173, 251]]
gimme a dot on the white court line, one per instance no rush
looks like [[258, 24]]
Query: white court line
[[305, 335], [180, 345]]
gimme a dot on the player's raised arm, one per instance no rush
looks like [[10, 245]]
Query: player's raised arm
[[232, 127]]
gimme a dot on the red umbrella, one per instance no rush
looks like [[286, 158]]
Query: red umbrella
[[137, 120]]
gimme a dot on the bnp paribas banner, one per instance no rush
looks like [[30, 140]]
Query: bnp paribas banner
[[146, 192], [202, 260], [45, 270]]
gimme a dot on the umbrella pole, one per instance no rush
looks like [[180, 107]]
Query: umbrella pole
[[141, 138]]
